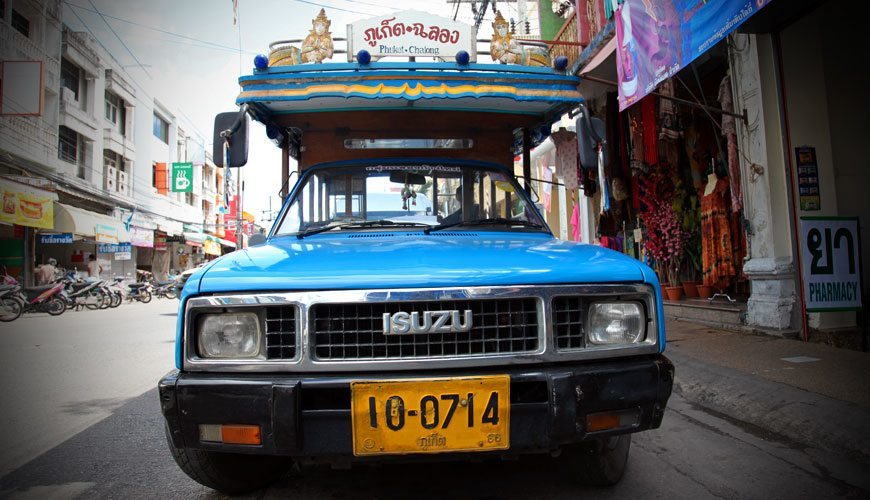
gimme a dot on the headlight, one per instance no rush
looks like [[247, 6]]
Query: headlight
[[235, 335], [616, 323]]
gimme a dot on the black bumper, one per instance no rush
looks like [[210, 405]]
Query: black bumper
[[308, 415]]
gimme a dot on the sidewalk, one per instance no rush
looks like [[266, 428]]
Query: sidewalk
[[811, 394]]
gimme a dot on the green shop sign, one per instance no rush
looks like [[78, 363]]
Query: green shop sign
[[182, 177]]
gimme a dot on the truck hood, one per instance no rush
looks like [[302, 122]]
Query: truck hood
[[366, 260]]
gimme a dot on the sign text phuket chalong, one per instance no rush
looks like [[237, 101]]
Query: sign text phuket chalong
[[409, 34]]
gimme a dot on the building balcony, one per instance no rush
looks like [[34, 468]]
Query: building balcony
[[29, 138], [570, 35], [114, 141], [20, 48], [81, 49], [73, 116]]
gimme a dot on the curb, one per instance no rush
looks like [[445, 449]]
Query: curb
[[803, 417]]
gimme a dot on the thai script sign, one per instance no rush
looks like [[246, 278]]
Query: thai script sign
[[55, 239], [114, 247], [141, 237], [411, 33], [657, 39], [831, 261], [808, 178]]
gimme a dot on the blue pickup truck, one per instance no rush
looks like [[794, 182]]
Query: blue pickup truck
[[410, 302]]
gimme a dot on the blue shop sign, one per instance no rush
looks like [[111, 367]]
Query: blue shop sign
[[53, 239], [114, 247]]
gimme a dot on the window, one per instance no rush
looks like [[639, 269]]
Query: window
[[20, 23], [110, 159], [116, 112], [160, 177], [68, 144], [161, 129], [188, 198], [70, 76]]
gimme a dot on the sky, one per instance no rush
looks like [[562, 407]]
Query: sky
[[190, 54]]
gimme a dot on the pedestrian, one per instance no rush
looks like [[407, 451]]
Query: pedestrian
[[94, 267], [45, 272]]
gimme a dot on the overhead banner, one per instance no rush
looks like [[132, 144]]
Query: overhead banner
[[105, 233], [656, 39], [140, 237], [182, 177], [831, 262], [26, 206]]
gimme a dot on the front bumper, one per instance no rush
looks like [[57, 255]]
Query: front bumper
[[308, 416]]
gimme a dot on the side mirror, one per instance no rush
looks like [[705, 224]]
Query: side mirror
[[590, 133], [256, 239], [407, 178], [237, 123]]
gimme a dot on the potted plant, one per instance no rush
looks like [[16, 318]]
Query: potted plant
[[665, 237], [692, 264]]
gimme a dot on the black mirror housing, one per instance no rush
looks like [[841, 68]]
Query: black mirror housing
[[590, 133], [407, 178], [238, 139]]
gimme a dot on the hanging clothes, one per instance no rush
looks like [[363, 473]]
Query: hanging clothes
[[729, 131], [547, 188], [567, 164], [671, 129], [716, 245], [575, 223], [650, 140]]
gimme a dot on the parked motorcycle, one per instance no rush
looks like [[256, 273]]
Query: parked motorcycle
[[165, 289], [11, 304], [80, 294], [139, 291], [46, 298]]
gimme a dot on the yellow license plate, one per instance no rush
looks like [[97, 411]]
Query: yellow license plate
[[430, 415]]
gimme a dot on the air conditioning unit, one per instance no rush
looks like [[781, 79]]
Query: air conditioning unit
[[111, 175], [122, 182]]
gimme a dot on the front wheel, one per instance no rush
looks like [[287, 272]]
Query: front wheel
[[116, 300], [171, 293], [228, 473], [599, 463], [95, 300], [10, 309], [55, 306], [144, 296]]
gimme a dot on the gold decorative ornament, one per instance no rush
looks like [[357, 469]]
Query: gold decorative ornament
[[504, 49], [316, 47]]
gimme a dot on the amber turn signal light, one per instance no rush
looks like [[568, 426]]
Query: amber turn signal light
[[609, 420]]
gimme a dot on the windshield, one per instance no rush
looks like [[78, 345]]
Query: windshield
[[401, 196]]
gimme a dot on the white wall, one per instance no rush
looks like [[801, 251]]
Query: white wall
[[827, 104]]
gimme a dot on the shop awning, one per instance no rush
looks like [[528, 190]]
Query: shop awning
[[103, 228], [227, 243], [196, 239], [170, 227]]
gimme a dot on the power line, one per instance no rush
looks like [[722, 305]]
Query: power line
[[120, 40], [333, 7], [159, 30]]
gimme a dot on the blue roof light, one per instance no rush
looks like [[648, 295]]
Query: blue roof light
[[363, 57], [462, 58], [261, 61]]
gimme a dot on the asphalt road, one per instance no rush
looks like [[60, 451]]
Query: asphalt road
[[81, 419]]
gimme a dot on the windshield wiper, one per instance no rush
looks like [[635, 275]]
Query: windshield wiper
[[484, 222], [362, 223]]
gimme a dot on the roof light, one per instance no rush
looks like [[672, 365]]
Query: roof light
[[462, 58], [363, 57], [261, 61]]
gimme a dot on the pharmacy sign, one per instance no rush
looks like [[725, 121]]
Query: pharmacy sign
[[831, 262]]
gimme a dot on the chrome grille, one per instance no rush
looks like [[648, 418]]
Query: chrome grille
[[281, 332], [568, 322], [353, 331]]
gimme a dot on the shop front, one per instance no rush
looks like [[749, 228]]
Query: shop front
[[25, 210], [87, 236]]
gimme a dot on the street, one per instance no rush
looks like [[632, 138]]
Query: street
[[82, 419]]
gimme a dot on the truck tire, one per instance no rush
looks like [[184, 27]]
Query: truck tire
[[601, 462], [229, 473]]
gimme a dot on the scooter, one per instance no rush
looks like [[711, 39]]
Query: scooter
[[11, 305], [140, 292], [165, 289], [81, 294], [46, 298]]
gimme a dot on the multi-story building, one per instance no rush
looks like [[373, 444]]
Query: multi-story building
[[95, 147]]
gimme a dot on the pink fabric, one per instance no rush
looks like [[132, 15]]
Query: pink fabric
[[575, 223]]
